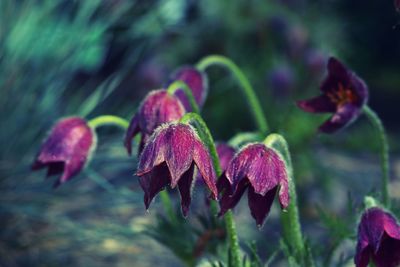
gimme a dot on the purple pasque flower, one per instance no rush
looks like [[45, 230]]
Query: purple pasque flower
[[157, 108], [378, 239], [397, 4], [343, 93], [169, 158], [197, 82], [260, 170], [66, 149]]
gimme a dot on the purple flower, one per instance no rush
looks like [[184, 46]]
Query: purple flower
[[397, 4], [169, 157], [260, 170], [66, 149], [343, 93], [378, 239], [197, 82], [157, 108]]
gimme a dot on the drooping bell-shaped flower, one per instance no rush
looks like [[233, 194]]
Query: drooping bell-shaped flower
[[197, 82], [66, 149], [343, 93], [157, 108], [378, 239], [169, 158], [397, 5], [262, 172]]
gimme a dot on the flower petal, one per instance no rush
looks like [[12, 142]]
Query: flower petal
[[260, 205], [343, 117], [205, 166], [337, 73], [239, 166], [133, 130], [153, 151], [185, 189], [153, 182], [230, 201], [319, 104], [266, 169], [179, 152]]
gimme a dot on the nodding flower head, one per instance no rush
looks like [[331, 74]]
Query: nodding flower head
[[157, 108], [397, 5], [169, 158], [378, 239], [343, 93], [66, 149], [260, 170], [197, 82]]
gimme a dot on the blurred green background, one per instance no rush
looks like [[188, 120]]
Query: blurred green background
[[68, 57]]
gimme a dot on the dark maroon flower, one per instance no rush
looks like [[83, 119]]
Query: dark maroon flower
[[343, 93], [397, 4], [378, 239], [260, 170], [157, 108], [66, 149], [169, 157], [197, 82]]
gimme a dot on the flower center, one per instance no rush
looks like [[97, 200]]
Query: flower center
[[342, 96]]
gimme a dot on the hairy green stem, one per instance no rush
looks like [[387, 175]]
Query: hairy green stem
[[290, 219], [208, 140], [108, 120], [384, 153], [181, 85], [247, 89]]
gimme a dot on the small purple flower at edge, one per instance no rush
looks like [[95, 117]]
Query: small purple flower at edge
[[157, 108], [397, 5], [260, 170], [66, 149], [197, 82], [169, 158], [343, 93], [378, 239]]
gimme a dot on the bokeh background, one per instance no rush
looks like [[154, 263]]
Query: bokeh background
[[68, 57]]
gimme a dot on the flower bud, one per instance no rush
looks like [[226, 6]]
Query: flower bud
[[157, 108], [169, 158], [378, 239], [66, 149], [260, 170]]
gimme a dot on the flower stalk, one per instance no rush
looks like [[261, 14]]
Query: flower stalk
[[181, 85], [290, 218], [206, 137], [246, 87], [108, 120], [384, 153]]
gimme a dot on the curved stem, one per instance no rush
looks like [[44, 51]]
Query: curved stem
[[247, 89], [243, 138], [208, 140], [290, 219], [108, 120], [377, 123], [181, 85]]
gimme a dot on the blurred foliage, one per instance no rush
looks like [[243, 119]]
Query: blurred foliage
[[64, 57]]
